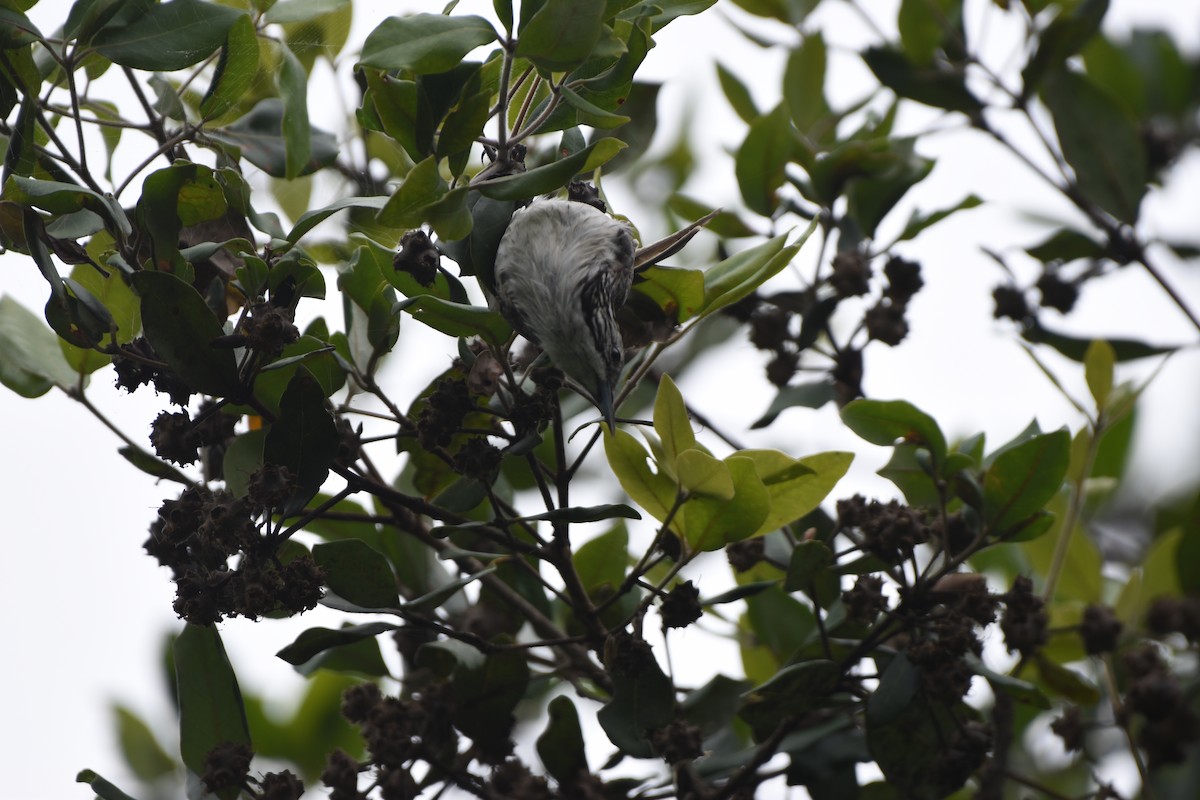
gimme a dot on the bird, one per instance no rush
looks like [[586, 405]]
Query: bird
[[563, 269]]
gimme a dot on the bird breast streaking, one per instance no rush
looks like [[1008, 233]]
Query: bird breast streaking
[[563, 269]]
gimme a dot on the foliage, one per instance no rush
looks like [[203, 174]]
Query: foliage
[[861, 631]]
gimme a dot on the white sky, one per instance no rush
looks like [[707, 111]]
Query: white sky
[[85, 630]]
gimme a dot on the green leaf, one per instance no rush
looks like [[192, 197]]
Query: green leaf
[[1023, 479], [737, 276], [304, 438], [561, 745], [710, 523], [16, 31], [561, 33], [169, 36], [671, 421], [317, 640], [483, 697], [1066, 683], [258, 137], [33, 361], [457, 319], [153, 466], [810, 560], [628, 459], [602, 561], [804, 85], [464, 124], [898, 683], [1100, 141], [425, 43], [293, 11], [931, 85], [738, 95], [805, 395], [297, 135], [357, 572], [885, 422], [551, 177], [180, 326], [795, 486], [211, 711], [918, 222], [1075, 348], [140, 748], [795, 690], [1067, 245], [678, 292], [1022, 691], [762, 158], [313, 218], [699, 473], [103, 788], [235, 70], [122, 304], [1067, 33], [897, 169], [580, 514], [643, 697], [1098, 365]]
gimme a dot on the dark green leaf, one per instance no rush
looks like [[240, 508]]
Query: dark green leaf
[[872, 196], [1023, 479], [235, 71], [898, 683], [561, 745], [795, 690], [152, 466], [1067, 245], [357, 572], [293, 11], [588, 513], [142, 752], [16, 31], [804, 85], [739, 593], [258, 136], [810, 560], [885, 422], [1100, 141], [919, 222], [760, 161], [103, 789], [1067, 33], [210, 703], [589, 113], [932, 85], [33, 361], [1066, 683], [425, 43], [550, 177], [456, 319], [297, 135], [1075, 348], [169, 36], [737, 276], [181, 326], [738, 95], [643, 698], [1020, 690], [806, 395], [317, 640], [304, 438], [438, 597], [483, 697], [602, 561], [561, 34]]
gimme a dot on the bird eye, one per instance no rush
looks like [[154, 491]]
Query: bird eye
[[615, 354]]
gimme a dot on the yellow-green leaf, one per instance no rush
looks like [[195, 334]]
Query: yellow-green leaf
[[708, 523], [671, 420], [652, 490], [702, 474], [795, 486]]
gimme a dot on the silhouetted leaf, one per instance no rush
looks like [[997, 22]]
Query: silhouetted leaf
[[357, 572], [210, 703]]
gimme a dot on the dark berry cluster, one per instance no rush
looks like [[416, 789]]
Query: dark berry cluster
[[745, 554], [887, 530], [681, 606], [227, 767], [137, 364], [1054, 291], [443, 412], [418, 256], [865, 601], [677, 741], [198, 534], [268, 328], [478, 458], [1154, 692], [943, 630], [398, 732], [1169, 615], [176, 437], [1025, 619], [961, 756], [1100, 629]]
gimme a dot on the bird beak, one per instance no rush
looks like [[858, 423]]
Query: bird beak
[[604, 402]]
